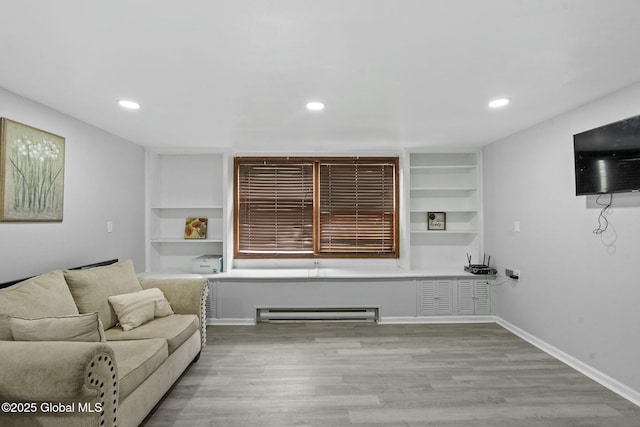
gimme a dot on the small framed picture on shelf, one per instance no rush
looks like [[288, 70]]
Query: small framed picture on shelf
[[436, 221], [195, 228]]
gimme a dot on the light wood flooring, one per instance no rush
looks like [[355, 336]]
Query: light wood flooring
[[364, 374]]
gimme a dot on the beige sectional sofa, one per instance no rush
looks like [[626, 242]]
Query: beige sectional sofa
[[61, 364]]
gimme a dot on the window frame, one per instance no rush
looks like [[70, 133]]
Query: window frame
[[316, 161]]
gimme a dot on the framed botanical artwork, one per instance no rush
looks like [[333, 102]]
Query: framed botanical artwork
[[31, 173], [436, 220], [195, 228]]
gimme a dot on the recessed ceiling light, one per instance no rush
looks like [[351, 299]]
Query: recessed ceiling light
[[499, 102], [124, 103], [315, 105]]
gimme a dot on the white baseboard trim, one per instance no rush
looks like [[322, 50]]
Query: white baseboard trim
[[437, 319], [599, 377], [232, 322], [382, 321]]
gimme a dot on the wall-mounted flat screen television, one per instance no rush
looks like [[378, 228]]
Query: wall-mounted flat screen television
[[607, 158]]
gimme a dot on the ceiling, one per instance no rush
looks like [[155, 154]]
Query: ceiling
[[236, 74]]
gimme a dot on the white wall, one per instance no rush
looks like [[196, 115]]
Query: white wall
[[579, 292], [239, 299], [104, 181]]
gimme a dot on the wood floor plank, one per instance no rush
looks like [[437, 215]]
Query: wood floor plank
[[369, 375]]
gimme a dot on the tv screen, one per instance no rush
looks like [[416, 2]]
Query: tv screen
[[607, 158]]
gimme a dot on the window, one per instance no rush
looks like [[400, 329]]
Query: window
[[316, 207], [274, 212], [357, 207]]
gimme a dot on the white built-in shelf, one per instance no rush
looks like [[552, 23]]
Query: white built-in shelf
[[444, 160], [447, 167], [444, 188], [189, 241], [459, 211], [181, 186], [186, 208], [450, 183], [445, 231]]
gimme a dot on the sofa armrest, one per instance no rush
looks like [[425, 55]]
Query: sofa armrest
[[81, 374], [186, 296]]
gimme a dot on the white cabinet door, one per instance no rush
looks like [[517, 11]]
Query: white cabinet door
[[466, 301], [445, 296], [482, 289], [473, 296], [437, 297], [429, 294]]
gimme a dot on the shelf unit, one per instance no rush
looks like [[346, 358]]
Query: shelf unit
[[450, 183], [181, 186]]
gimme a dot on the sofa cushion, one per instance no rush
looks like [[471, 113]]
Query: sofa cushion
[[131, 309], [79, 327], [44, 295], [176, 329], [91, 288], [136, 360]]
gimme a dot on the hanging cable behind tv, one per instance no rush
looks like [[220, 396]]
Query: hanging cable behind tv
[[603, 222]]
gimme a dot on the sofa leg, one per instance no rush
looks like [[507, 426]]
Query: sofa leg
[[195, 359]]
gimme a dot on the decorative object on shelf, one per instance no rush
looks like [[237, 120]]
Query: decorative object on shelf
[[195, 228], [436, 221], [31, 173]]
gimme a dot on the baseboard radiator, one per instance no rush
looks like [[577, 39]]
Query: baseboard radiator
[[317, 314]]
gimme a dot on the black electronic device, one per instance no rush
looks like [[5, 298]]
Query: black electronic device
[[483, 268], [607, 158], [480, 269]]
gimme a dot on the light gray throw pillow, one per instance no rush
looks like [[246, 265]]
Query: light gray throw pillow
[[80, 327], [135, 308]]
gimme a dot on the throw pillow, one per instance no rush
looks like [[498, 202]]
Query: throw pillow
[[44, 295], [162, 306], [91, 288], [81, 327], [132, 311]]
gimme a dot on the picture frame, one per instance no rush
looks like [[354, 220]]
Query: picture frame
[[436, 221], [195, 228], [31, 173]]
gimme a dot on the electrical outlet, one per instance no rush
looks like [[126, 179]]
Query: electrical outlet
[[501, 270], [512, 274], [507, 272]]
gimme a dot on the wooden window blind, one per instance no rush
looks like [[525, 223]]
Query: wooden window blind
[[357, 208], [316, 207], [275, 207]]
